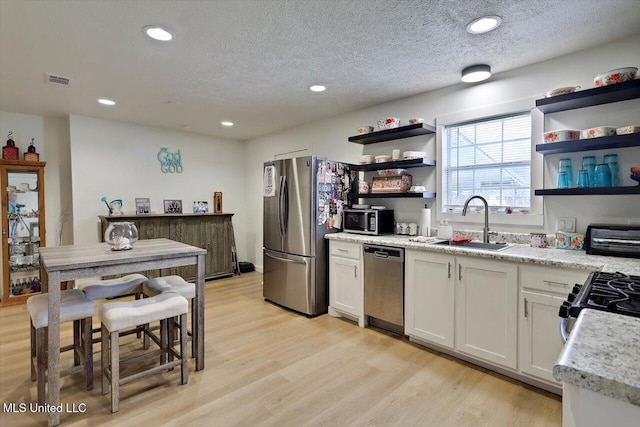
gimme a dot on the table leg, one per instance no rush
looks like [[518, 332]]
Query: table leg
[[53, 360], [199, 326]]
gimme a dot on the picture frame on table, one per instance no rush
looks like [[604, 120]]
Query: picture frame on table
[[200, 206], [172, 206], [143, 205]]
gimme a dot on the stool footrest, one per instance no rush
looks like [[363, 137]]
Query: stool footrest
[[151, 371]]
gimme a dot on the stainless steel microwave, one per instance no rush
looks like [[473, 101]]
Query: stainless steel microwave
[[368, 221]]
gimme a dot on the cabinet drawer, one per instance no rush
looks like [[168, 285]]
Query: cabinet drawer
[[345, 249], [551, 279]]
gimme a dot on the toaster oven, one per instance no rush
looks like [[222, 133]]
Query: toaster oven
[[613, 240]]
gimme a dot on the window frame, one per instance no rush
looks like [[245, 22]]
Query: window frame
[[535, 215]]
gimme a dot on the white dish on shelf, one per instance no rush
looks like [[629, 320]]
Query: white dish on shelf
[[413, 154], [598, 132], [626, 130], [378, 208], [365, 158], [392, 172], [360, 206]]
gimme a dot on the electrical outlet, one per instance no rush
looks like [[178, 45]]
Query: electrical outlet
[[566, 224]]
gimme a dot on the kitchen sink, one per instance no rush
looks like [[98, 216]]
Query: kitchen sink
[[477, 245]]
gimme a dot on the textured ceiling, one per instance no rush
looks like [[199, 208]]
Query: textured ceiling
[[252, 61]]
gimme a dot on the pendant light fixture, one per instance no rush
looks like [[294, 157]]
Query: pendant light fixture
[[476, 73]]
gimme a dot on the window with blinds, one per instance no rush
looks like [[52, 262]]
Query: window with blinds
[[490, 157]]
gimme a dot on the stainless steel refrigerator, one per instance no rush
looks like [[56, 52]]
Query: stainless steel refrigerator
[[303, 200]]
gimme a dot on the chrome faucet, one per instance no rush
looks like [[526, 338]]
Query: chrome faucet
[[485, 230]]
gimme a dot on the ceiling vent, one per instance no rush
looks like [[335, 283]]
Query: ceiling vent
[[58, 80]]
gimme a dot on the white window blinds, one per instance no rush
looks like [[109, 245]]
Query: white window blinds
[[490, 157]]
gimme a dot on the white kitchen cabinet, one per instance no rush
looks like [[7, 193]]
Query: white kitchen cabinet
[[346, 291], [542, 290], [429, 297], [487, 310]]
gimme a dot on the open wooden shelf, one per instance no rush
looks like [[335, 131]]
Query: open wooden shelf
[[590, 97], [587, 191], [421, 195], [602, 143], [396, 164], [396, 133]]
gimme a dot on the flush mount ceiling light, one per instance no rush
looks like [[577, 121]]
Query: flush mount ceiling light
[[317, 88], [484, 24], [105, 101], [225, 123], [157, 33], [476, 73]]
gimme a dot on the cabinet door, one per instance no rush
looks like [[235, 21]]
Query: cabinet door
[[218, 243], [189, 231], [487, 310], [540, 343], [429, 297], [345, 285]]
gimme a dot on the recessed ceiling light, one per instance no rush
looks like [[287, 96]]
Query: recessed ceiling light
[[317, 88], [226, 123], [484, 24], [105, 101], [476, 73], [158, 33]]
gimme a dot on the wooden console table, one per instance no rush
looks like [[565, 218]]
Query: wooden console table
[[213, 232]]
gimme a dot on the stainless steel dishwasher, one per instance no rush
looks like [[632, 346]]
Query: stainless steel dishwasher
[[384, 287]]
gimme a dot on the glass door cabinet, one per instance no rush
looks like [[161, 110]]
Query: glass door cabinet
[[23, 228]]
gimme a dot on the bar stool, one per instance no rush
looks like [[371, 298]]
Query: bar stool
[[177, 284], [73, 307], [116, 316], [110, 288], [95, 289]]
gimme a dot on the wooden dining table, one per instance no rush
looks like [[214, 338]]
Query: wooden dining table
[[64, 263]]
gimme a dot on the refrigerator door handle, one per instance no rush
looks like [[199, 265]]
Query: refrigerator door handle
[[281, 195], [295, 261], [285, 211]]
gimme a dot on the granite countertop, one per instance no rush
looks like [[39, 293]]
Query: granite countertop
[[517, 253], [602, 355]]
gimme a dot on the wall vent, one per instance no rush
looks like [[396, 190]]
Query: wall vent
[[58, 80]]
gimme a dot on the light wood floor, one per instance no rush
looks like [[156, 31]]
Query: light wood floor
[[266, 366]]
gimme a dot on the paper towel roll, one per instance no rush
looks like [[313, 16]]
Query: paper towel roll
[[425, 223]]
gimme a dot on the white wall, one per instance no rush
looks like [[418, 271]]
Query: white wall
[[329, 137], [119, 161]]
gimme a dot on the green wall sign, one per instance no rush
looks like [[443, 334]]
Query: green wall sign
[[169, 162]]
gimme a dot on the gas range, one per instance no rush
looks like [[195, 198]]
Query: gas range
[[612, 292]]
